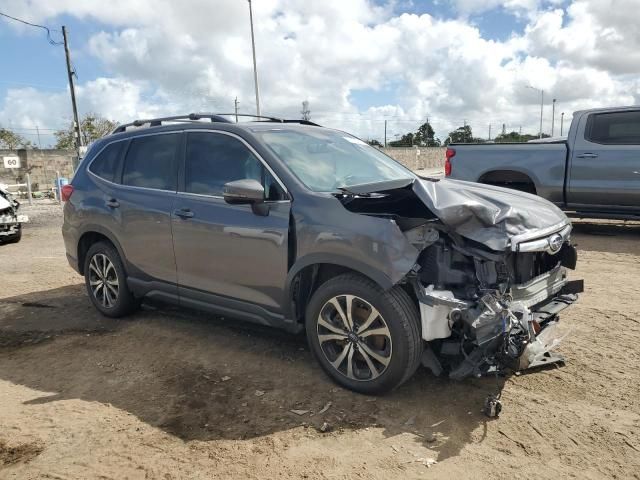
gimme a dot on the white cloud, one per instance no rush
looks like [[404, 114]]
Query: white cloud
[[166, 57]]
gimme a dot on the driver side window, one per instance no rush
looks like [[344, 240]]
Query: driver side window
[[213, 159]]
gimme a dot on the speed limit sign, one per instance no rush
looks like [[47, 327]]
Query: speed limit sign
[[11, 162]]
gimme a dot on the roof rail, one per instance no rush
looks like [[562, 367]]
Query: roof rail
[[193, 117]]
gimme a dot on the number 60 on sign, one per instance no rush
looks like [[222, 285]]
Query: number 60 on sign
[[11, 162]]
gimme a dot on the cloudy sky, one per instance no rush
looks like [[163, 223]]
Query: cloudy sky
[[357, 62]]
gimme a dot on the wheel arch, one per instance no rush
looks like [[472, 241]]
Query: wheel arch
[[92, 235], [508, 176], [309, 272]]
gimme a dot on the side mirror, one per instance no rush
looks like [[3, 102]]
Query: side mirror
[[246, 191]]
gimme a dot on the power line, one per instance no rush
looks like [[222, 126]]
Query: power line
[[49, 38]]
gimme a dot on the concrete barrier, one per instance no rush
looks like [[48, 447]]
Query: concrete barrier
[[418, 158]]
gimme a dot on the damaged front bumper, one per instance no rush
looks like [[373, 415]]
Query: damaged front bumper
[[515, 329]]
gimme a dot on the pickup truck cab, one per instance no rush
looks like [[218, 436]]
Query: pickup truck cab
[[594, 172]]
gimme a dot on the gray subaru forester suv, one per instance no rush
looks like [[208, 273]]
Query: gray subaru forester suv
[[292, 225]]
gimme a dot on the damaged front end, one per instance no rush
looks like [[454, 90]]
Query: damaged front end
[[485, 311], [10, 221], [491, 274]]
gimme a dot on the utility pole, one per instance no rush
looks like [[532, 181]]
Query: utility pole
[[520, 133], [255, 69], [385, 134], [489, 132], [553, 116], [561, 122], [38, 132], [70, 74], [541, 109], [306, 113], [235, 102], [541, 105]]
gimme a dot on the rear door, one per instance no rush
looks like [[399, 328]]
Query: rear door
[[605, 162], [143, 202], [227, 254]]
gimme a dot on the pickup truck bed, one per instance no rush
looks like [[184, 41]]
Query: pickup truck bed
[[595, 172]]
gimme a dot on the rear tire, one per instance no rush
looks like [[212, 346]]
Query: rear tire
[[365, 338], [106, 281]]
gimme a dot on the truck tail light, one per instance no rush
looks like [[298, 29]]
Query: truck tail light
[[65, 192], [447, 163]]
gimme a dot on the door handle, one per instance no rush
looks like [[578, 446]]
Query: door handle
[[112, 203], [183, 213], [588, 155]]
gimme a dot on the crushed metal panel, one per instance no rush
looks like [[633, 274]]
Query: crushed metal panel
[[486, 214]]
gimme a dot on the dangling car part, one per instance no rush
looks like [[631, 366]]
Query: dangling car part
[[10, 221]]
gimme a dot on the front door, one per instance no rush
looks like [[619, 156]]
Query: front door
[[605, 162], [222, 250]]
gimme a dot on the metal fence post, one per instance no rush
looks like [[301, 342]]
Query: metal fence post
[[29, 189], [57, 188]]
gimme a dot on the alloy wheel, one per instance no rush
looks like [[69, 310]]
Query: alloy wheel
[[354, 337], [103, 279]]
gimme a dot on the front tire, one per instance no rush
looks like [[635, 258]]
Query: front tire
[[15, 238], [106, 281], [365, 338]]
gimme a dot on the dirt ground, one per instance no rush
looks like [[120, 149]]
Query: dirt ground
[[174, 394]]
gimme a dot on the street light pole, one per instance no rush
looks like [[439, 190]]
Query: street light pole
[[553, 116], [541, 105], [561, 122], [255, 69]]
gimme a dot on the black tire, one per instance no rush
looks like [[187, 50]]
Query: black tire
[[402, 348], [15, 238], [122, 304]]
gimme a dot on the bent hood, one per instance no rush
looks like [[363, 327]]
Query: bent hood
[[487, 214]]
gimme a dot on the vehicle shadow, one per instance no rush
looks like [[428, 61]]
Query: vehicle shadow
[[593, 235], [200, 377]]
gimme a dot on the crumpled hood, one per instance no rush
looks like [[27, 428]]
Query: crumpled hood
[[487, 214]]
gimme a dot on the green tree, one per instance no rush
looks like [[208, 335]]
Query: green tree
[[407, 140], [92, 127], [375, 143], [462, 135], [515, 137], [426, 136], [11, 140], [423, 137]]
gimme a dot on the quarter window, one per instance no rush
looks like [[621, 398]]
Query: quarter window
[[151, 162], [214, 159], [618, 128], [106, 163]]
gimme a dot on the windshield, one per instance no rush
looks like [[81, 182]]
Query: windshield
[[326, 160]]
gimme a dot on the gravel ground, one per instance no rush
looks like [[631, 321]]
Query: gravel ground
[[174, 394]]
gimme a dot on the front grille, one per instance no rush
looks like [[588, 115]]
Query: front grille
[[529, 265]]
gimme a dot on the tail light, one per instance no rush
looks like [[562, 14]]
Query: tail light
[[65, 192], [447, 163]]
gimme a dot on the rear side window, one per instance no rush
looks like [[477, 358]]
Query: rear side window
[[618, 128], [106, 163], [151, 162], [214, 159]]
